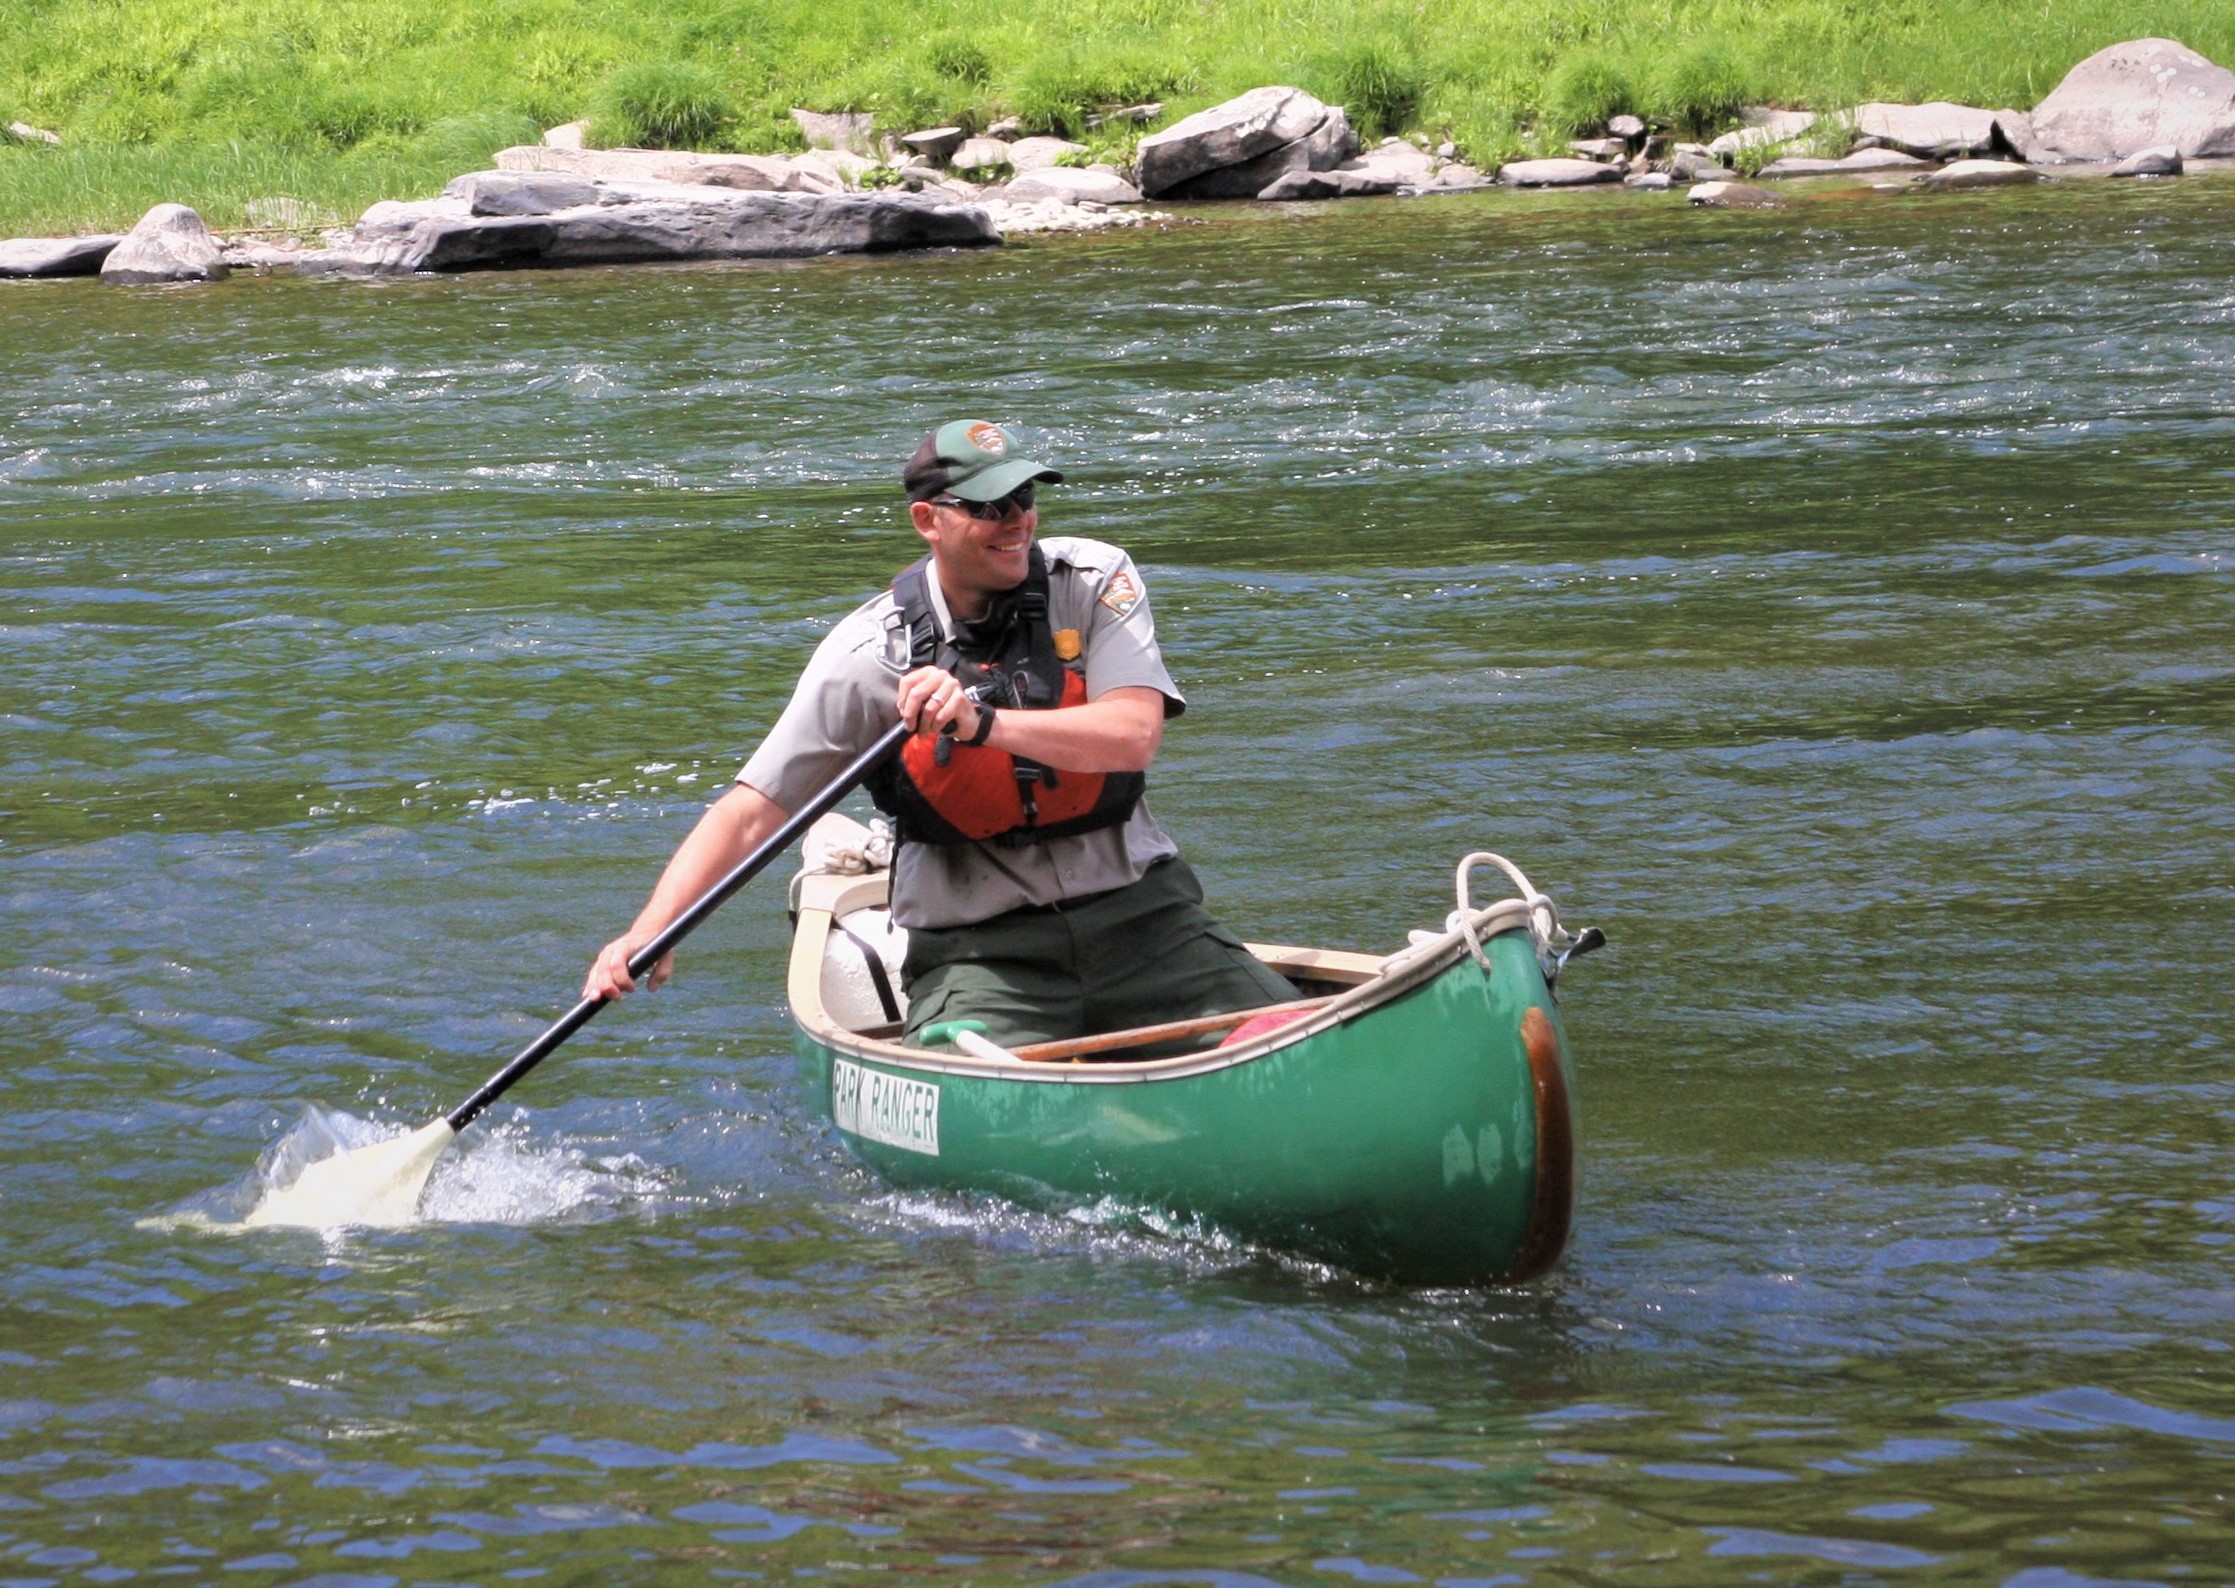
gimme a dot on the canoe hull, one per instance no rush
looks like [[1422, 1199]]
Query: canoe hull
[[1427, 1139]]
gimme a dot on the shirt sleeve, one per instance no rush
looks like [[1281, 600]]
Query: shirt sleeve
[[843, 701], [1119, 644]]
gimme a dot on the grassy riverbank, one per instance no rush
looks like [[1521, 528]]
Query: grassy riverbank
[[222, 102]]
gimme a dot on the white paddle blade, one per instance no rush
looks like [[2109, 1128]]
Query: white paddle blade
[[374, 1187]]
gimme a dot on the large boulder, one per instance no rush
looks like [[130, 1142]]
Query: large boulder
[[522, 192], [1978, 173], [1322, 149], [1091, 185], [1556, 173], [56, 256], [169, 244], [637, 221], [2135, 96], [1863, 162], [753, 172], [1228, 135], [1763, 129], [1939, 130], [2164, 160], [1395, 167]]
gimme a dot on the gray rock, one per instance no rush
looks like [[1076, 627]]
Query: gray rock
[[1862, 162], [1979, 173], [980, 155], [56, 256], [753, 172], [2135, 96], [1763, 129], [2164, 160], [1939, 130], [1394, 166], [1007, 128], [1733, 196], [1556, 173], [1650, 181], [521, 192], [935, 143], [1629, 129], [1227, 135], [851, 130], [2013, 131], [1459, 177], [1699, 167], [169, 244], [1032, 154], [1447, 150], [1306, 184], [648, 221], [1073, 184], [1600, 148], [1325, 147], [567, 135], [24, 132]]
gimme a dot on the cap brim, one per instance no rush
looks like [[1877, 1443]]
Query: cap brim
[[1001, 479]]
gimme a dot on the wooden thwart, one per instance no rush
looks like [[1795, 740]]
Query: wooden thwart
[[1142, 1036]]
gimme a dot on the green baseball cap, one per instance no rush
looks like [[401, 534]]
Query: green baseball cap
[[973, 459]]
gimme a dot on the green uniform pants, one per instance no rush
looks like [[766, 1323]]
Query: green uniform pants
[[1135, 956]]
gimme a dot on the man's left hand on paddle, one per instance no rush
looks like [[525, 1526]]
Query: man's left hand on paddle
[[931, 697]]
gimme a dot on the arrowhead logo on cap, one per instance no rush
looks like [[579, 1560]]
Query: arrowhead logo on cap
[[990, 439]]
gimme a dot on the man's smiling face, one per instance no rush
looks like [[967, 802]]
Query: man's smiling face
[[978, 558]]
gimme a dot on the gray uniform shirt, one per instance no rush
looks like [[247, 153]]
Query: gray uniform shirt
[[844, 701]]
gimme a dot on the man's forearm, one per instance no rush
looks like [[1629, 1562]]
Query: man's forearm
[[1118, 733]]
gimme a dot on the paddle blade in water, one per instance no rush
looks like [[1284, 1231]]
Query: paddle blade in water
[[369, 1187]]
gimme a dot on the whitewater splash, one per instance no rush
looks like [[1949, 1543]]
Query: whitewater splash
[[497, 1178]]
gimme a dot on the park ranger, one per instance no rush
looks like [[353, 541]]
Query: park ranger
[[1039, 894]]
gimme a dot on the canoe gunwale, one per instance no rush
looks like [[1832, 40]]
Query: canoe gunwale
[[825, 897]]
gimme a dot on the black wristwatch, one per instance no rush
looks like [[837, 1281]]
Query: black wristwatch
[[985, 728]]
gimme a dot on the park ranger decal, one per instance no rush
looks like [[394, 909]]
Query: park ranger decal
[[1122, 594], [887, 1108]]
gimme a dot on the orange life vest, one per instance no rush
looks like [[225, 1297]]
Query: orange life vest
[[941, 792]]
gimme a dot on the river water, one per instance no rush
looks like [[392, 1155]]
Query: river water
[[1833, 605]]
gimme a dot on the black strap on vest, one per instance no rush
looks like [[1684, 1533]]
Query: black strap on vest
[[1025, 671]]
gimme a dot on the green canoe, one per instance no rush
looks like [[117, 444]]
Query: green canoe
[[1413, 1124]]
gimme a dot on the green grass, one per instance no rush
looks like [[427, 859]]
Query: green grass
[[217, 102]]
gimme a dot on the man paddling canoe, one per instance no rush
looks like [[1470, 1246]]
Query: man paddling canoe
[[1039, 894]]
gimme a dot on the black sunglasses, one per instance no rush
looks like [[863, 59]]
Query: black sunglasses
[[996, 510]]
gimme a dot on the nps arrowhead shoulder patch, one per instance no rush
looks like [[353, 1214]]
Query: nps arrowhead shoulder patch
[[1122, 594]]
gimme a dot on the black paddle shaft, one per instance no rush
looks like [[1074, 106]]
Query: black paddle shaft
[[679, 928]]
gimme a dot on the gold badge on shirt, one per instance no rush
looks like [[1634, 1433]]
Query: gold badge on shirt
[[1067, 645]]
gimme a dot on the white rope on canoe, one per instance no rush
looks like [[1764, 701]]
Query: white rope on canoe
[[1544, 917]]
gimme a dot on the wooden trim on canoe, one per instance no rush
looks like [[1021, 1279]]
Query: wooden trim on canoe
[[1143, 1036], [1549, 1217], [1337, 965]]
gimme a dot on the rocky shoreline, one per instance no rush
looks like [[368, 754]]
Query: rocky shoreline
[[2146, 108]]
